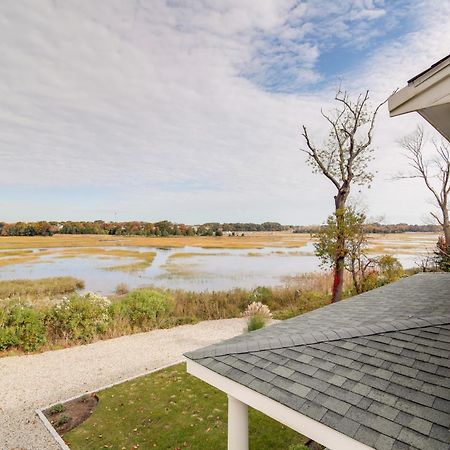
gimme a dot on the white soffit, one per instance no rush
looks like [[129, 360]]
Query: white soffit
[[429, 95]]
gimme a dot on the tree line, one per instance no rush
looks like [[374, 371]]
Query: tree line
[[378, 228], [167, 228], [135, 228]]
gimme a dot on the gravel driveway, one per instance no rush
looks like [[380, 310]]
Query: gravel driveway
[[34, 381]]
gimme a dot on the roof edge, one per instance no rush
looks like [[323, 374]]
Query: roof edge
[[296, 340], [432, 67]]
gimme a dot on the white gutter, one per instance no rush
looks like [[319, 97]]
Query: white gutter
[[302, 424]]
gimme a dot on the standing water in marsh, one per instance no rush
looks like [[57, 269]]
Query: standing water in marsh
[[188, 268]]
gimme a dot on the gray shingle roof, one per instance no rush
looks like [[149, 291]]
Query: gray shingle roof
[[375, 367]]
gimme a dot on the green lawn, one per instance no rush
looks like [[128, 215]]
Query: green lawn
[[171, 409]]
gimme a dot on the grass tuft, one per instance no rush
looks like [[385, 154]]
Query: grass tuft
[[256, 323]]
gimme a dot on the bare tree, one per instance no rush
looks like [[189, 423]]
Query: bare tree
[[344, 159], [435, 173]]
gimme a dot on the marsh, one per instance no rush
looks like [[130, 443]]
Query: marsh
[[195, 264]]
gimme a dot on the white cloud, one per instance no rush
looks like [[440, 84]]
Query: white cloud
[[146, 101]]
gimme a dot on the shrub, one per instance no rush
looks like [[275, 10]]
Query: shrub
[[79, 317], [8, 338], [256, 322], [62, 420], [442, 255], [262, 294], [371, 280], [21, 326], [390, 269], [144, 308], [55, 409], [122, 289]]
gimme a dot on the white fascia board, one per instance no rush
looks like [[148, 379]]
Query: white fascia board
[[433, 91], [302, 424]]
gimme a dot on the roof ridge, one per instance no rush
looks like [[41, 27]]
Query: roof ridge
[[296, 339]]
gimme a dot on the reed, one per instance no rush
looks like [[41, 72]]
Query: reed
[[250, 240], [36, 289]]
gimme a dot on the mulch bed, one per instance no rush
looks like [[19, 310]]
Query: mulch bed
[[66, 416]]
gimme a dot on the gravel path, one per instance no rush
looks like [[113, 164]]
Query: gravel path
[[34, 381]]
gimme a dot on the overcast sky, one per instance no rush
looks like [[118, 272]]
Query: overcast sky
[[191, 110]]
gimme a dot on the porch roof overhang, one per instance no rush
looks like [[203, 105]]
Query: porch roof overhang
[[313, 429], [428, 94], [368, 372]]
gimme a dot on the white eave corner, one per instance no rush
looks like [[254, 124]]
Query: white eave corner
[[430, 88]]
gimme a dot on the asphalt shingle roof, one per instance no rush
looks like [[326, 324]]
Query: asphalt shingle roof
[[375, 367]]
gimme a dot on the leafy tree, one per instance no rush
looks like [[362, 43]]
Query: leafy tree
[[343, 159], [390, 269], [346, 222]]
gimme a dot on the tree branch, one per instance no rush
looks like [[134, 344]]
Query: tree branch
[[312, 152]]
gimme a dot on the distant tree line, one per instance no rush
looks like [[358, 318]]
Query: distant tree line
[[379, 228], [167, 228], [136, 228]]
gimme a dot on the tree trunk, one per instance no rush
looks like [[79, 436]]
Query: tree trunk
[[356, 281], [446, 227], [338, 282]]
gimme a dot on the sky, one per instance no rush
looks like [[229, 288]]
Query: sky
[[191, 110]]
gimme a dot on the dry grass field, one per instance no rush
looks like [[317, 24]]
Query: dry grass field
[[405, 243], [17, 249], [250, 240]]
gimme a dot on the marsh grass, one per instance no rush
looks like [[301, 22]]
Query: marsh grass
[[300, 295], [250, 240], [194, 254], [145, 259], [9, 253], [10, 257], [75, 252], [44, 287], [394, 249], [132, 267], [18, 260], [179, 270]]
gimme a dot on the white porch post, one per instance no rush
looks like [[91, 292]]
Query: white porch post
[[237, 424]]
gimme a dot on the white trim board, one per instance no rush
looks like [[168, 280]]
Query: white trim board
[[332, 439], [59, 440]]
